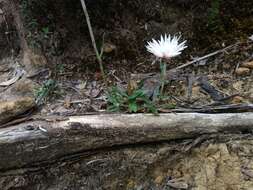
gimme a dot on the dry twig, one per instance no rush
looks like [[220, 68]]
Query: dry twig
[[98, 55], [205, 57]]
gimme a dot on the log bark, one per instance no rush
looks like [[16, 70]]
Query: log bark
[[45, 140]]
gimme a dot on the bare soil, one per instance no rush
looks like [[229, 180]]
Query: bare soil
[[125, 27], [222, 162]]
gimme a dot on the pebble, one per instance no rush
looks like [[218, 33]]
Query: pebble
[[248, 65], [242, 71], [108, 47], [159, 180], [237, 100]]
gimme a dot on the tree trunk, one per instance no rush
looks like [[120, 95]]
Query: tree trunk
[[46, 140]]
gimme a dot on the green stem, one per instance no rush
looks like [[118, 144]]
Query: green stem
[[163, 68], [98, 55]]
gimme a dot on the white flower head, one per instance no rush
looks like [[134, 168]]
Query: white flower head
[[166, 47], [251, 37]]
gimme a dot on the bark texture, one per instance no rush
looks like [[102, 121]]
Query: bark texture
[[46, 140]]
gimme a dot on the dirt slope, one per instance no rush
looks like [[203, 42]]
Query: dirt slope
[[52, 37]]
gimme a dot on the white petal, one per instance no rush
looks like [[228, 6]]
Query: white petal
[[166, 47]]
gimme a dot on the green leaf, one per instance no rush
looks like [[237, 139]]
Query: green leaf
[[133, 107], [119, 100], [150, 106], [45, 30], [113, 108], [136, 94]]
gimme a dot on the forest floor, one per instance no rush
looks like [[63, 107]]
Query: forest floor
[[64, 77], [48, 68]]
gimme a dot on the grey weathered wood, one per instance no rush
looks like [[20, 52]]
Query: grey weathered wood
[[42, 141]]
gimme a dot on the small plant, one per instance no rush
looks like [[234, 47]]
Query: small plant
[[45, 31], [60, 68], [164, 49], [43, 92], [133, 101], [37, 34], [32, 24]]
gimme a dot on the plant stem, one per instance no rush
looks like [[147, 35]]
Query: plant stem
[[163, 68], [98, 55]]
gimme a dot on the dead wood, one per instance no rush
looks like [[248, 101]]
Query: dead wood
[[206, 56], [217, 107], [46, 140]]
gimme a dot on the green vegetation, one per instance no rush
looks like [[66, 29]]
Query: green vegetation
[[214, 17], [163, 68], [37, 28], [59, 68], [45, 91], [134, 101]]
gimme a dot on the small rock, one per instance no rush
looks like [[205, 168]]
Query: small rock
[[242, 71], [77, 166], [238, 85], [226, 66], [108, 48], [130, 184], [19, 182], [237, 100], [178, 184], [13, 108], [159, 180], [248, 65], [33, 63], [195, 90], [23, 87], [67, 102]]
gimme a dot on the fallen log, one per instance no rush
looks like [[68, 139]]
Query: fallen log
[[44, 140]]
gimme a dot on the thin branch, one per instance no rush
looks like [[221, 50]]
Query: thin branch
[[98, 55], [205, 57]]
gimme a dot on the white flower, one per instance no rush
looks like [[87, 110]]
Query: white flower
[[251, 37], [166, 47]]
